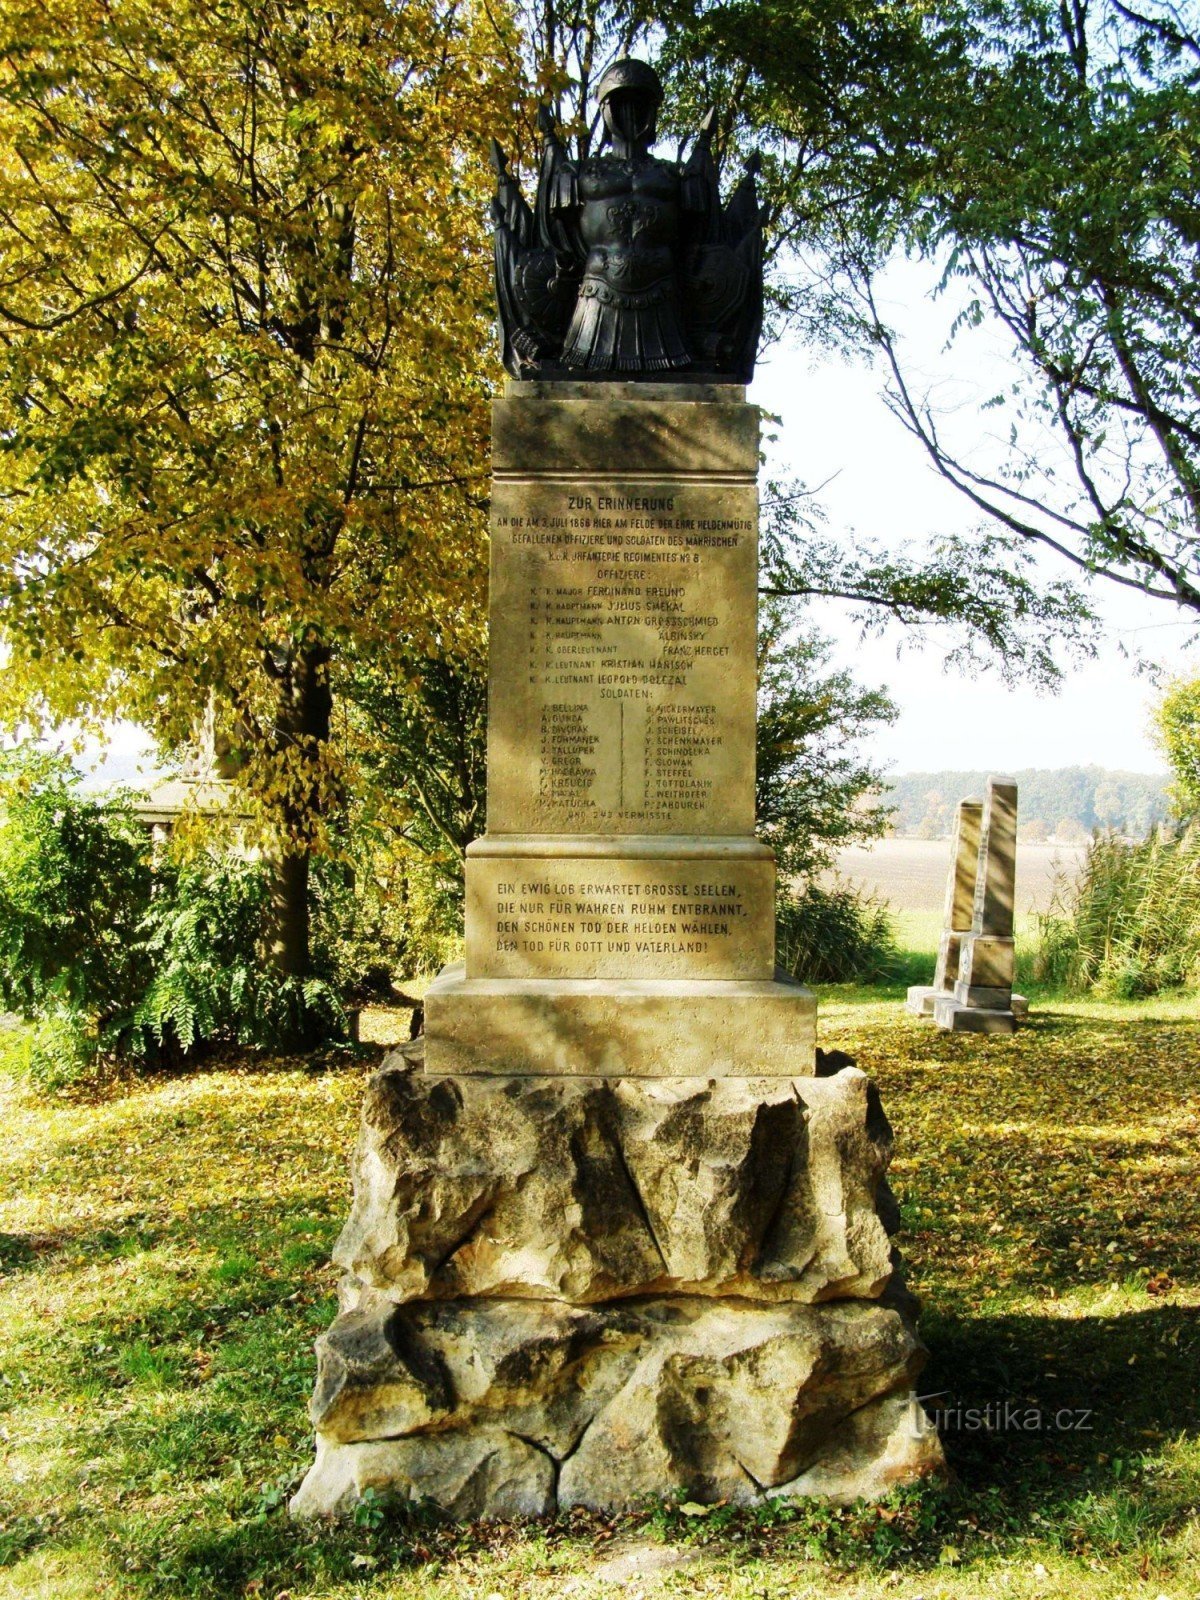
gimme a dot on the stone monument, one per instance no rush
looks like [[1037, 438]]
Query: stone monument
[[958, 909], [972, 986], [611, 1238]]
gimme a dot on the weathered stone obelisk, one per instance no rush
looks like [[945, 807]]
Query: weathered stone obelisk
[[983, 999], [610, 1236], [972, 985], [959, 907]]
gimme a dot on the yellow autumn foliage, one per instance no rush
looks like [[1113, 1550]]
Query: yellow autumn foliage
[[245, 354]]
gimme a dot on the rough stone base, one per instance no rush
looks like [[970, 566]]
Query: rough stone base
[[506, 1408], [587, 1291], [585, 1189]]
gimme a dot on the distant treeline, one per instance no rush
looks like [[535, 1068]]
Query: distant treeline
[[1063, 803]]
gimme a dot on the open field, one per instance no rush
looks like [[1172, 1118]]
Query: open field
[[910, 874], [165, 1248]]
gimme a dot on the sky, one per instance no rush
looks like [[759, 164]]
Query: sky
[[836, 426]]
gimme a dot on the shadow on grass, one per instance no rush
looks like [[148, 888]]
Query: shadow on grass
[[260, 1229], [1113, 1395], [23, 1252], [1161, 1036], [1069, 1417], [116, 1081]]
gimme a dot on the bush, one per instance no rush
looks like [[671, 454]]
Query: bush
[[397, 911], [56, 1051], [203, 936], [834, 935], [1129, 924], [111, 959], [75, 885]]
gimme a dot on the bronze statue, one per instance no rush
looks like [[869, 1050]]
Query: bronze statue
[[628, 265]]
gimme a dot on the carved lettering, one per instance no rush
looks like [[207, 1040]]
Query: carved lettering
[[628, 613]]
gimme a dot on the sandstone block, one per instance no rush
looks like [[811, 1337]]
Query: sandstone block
[[983, 997], [622, 674], [543, 1369], [467, 1475], [620, 1027], [964, 861], [985, 962], [520, 1408], [949, 953], [885, 1443], [644, 391], [555, 909], [956, 1017], [995, 886], [640, 431], [586, 1189], [738, 1401], [920, 997]]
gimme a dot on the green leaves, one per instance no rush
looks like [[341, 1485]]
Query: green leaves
[[1046, 160], [1129, 924], [978, 596], [114, 959], [205, 934], [74, 883], [811, 778], [1177, 721]]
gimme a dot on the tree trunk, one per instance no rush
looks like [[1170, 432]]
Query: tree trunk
[[302, 722], [288, 946]]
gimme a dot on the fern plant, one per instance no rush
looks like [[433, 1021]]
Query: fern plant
[[204, 938]]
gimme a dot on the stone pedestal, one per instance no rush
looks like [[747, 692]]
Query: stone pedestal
[[620, 847], [622, 1027], [611, 1238], [578, 1291]]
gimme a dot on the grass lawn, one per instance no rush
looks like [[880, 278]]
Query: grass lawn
[[165, 1245]]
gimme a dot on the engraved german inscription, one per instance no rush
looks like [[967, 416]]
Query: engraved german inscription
[[622, 695], [549, 918]]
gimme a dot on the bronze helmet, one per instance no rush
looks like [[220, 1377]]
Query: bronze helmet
[[629, 74]]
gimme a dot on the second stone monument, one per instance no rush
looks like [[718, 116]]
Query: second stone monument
[[972, 983]]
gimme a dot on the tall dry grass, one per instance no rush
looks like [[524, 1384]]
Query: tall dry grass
[[1129, 923]]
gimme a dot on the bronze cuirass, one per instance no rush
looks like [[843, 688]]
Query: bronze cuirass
[[627, 315]]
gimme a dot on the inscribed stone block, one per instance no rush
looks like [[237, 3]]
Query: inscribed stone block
[[648, 916], [622, 678]]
